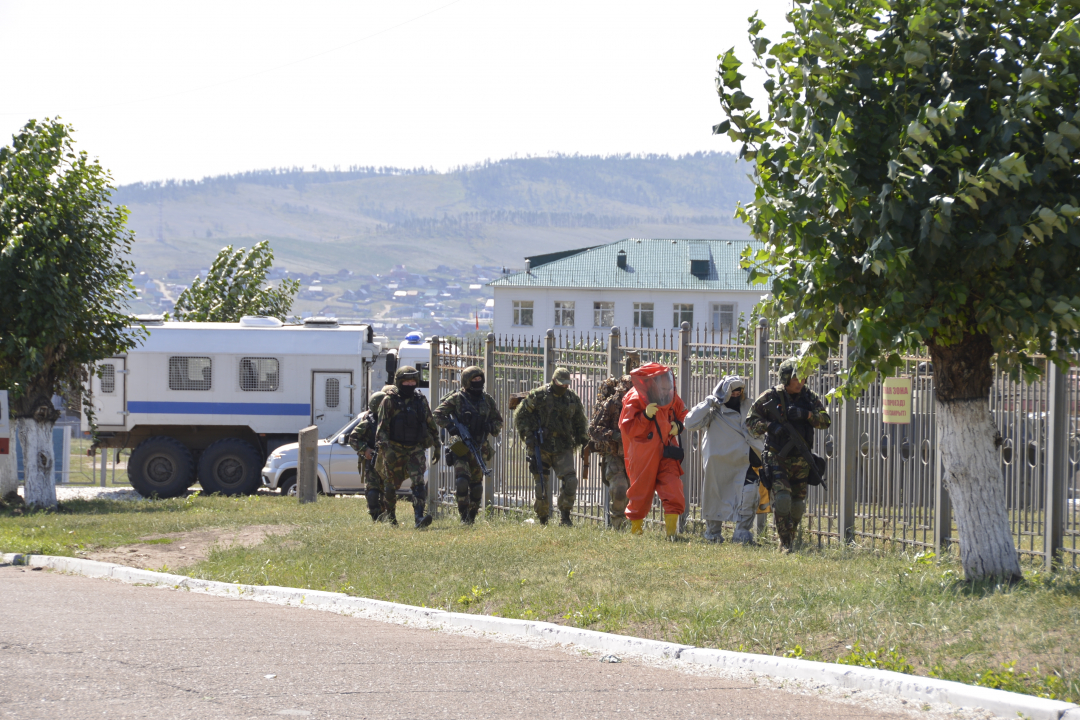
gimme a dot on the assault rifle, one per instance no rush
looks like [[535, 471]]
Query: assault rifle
[[470, 444], [795, 438]]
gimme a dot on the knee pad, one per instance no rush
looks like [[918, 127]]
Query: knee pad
[[798, 507], [782, 503], [476, 492], [461, 486], [569, 483], [419, 492]]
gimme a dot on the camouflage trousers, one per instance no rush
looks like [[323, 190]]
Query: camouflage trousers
[[395, 464], [469, 480], [562, 464], [613, 474], [373, 489], [789, 489]]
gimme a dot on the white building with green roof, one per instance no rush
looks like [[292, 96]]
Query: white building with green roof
[[633, 283]]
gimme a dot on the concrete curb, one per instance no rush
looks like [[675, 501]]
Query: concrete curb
[[909, 687]]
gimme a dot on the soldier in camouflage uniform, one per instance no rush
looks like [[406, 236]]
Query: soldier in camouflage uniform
[[784, 466], [362, 440], [476, 410], [607, 440], [557, 410], [406, 430]]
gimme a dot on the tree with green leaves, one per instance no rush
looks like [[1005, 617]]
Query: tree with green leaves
[[65, 280], [917, 173], [236, 286]]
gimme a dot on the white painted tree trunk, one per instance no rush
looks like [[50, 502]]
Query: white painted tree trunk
[[39, 482], [9, 474], [977, 489]]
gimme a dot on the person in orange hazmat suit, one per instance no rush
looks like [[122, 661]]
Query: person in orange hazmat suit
[[650, 424]]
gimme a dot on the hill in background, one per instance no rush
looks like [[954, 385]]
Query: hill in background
[[346, 227]]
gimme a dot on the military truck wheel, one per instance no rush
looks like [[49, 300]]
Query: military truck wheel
[[161, 466], [230, 467], [287, 485]]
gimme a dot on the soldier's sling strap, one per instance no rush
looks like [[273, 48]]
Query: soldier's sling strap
[[795, 439]]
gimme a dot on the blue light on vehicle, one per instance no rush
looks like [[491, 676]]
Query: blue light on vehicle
[[414, 338]]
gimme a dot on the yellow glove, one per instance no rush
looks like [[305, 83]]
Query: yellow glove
[[674, 428], [650, 410]]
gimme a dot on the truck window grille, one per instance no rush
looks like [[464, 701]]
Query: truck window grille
[[259, 374], [189, 373], [333, 393], [108, 379]]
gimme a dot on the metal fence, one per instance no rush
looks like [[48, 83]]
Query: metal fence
[[885, 482]]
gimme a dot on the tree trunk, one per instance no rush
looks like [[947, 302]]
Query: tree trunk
[[39, 482], [9, 474], [973, 477], [963, 377]]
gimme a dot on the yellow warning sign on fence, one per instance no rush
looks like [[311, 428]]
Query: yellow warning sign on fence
[[896, 400]]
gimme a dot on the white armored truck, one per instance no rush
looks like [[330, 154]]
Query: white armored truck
[[210, 401]]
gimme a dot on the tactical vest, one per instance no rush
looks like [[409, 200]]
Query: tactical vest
[[803, 427], [407, 427], [473, 416]]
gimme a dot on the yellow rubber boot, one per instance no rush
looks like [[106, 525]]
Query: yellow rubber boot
[[635, 527], [671, 524]]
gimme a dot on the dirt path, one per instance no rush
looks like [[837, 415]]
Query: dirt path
[[177, 550]]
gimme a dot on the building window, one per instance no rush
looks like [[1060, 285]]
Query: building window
[[189, 373], [683, 313], [603, 314], [259, 374], [643, 315], [723, 317], [523, 312], [108, 379], [564, 313]]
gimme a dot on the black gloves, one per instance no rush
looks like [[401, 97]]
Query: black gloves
[[776, 429], [798, 413]]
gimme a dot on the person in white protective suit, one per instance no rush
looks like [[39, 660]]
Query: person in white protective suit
[[726, 445]]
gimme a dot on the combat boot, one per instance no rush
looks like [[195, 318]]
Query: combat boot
[[463, 511], [618, 523], [565, 521], [422, 518], [471, 518], [390, 516], [543, 519]]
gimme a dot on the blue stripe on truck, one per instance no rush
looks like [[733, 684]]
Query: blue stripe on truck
[[213, 408]]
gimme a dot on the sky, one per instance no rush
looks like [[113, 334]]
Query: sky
[[186, 90]]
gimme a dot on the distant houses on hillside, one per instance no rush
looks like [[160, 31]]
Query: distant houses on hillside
[[634, 283]]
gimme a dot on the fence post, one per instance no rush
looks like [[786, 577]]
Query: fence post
[[761, 384], [689, 456], [307, 478], [104, 464], [761, 357], [549, 355], [435, 388], [1057, 463], [849, 456], [489, 377], [614, 354], [549, 370]]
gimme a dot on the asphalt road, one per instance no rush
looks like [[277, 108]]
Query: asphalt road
[[75, 647]]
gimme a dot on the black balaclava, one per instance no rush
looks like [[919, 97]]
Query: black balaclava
[[407, 391], [476, 386], [559, 389], [734, 403]]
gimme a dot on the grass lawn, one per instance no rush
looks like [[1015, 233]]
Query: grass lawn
[[876, 608]]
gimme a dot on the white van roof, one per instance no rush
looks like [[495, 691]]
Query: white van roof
[[191, 337]]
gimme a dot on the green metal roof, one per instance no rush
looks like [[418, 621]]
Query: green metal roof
[[650, 263]]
